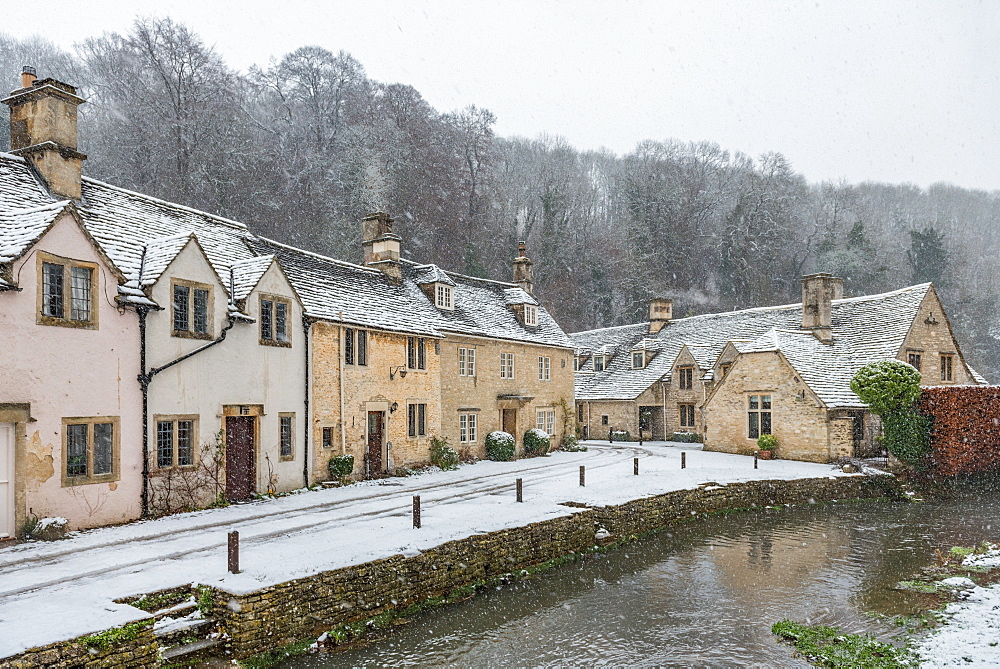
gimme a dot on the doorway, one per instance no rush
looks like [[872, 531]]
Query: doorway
[[376, 431], [240, 466], [6, 480], [508, 421]]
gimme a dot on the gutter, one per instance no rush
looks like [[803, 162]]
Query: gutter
[[306, 325]]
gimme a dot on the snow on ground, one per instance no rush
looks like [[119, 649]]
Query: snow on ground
[[971, 631], [63, 589]]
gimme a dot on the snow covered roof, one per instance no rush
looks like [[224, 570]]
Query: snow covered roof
[[246, 274], [866, 328], [20, 228], [426, 274], [518, 296], [159, 254]]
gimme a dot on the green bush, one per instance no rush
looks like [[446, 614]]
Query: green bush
[[571, 444], [907, 435], [887, 386], [536, 442], [443, 455], [500, 446], [686, 437], [341, 466], [767, 442]]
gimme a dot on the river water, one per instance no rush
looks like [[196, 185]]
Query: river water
[[704, 594]]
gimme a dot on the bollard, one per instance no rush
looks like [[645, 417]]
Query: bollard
[[416, 511], [755, 459], [234, 552], [611, 437], [635, 466], [583, 475], [520, 490], [683, 459]]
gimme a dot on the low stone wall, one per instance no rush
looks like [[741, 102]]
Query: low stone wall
[[287, 612], [137, 648]]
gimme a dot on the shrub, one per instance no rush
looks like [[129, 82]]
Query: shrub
[[907, 435], [572, 445], [500, 446], [891, 388], [767, 442], [536, 442], [443, 455], [686, 437], [341, 466]]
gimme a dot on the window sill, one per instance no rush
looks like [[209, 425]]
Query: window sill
[[272, 342], [187, 334], [286, 458], [66, 323], [73, 481], [163, 471]]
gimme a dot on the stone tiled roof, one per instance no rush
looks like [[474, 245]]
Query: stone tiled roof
[[865, 328], [246, 274], [425, 274], [20, 228], [159, 254]]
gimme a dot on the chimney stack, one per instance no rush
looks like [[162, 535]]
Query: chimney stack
[[660, 312], [818, 292], [43, 129], [381, 245], [522, 269]]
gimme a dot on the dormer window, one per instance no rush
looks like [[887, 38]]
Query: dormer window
[[599, 363], [444, 296], [530, 315], [638, 359]]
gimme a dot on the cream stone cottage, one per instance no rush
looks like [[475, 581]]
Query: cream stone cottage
[[731, 376]]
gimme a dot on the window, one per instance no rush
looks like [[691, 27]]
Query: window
[[444, 297], [686, 415], [724, 368], [913, 357], [90, 450], [530, 315], [75, 307], [576, 363], [579, 412], [947, 366], [176, 437], [759, 415], [467, 428], [544, 368], [685, 378], [599, 362], [274, 312], [416, 353], [466, 362], [604, 420], [191, 307], [327, 437], [545, 420], [416, 416], [638, 359], [286, 435], [506, 365], [355, 346]]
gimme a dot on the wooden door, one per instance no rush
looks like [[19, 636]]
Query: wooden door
[[508, 421], [6, 480], [240, 467], [376, 427]]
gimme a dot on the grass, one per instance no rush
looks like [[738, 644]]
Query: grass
[[826, 646]]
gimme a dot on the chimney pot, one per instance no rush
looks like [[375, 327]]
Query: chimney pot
[[522, 269], [381, 245], [660, 312], [818, 292], [27, 76]]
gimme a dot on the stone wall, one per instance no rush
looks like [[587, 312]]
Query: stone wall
[[287, 612], [140, 650], [931, 335]]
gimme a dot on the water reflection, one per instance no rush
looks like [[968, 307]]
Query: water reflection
[[704, 594]]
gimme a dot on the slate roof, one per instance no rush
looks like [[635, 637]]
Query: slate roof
[[20, 228], [425, 274], [865, 329], [245, 275]]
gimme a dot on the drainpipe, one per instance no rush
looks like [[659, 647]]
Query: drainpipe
[[343, 419], [306, 426]]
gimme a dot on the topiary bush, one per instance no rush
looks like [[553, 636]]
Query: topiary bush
[[536, 442], [891, 388], [443, 455], [500, 446], [340, 466], [767, 442]]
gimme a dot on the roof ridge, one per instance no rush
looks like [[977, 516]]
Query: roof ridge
[[58, 204], [320, 256]]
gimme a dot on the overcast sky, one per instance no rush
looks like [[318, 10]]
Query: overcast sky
[[902, 91]]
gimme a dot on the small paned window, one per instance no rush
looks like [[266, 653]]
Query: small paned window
[[545, 420], [544, 368], [286, 435], [327, 437], [67, 293], [467, 428], [576, 363], [530, 315], [348, 346], [444, 297], [638, 359], [913, 357], [604, 420], [947, 367], [90, 449], [416, 353], [599, 363], [506, 365], [686, 415], [191, 310], [175, 441], [758, 415], [416, 419], [274, 321], [685, 378], [466, 361]]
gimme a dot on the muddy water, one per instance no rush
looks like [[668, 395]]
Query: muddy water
[[706, 593]]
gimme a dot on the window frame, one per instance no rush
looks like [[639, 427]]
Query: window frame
[[355, 347], [282, 417], [530, 315], [685, 411], [468, 428], [66, 320], [444, 296], [326, 436], [755, 415], [506, 365], [724, 369], [600, 363], [272, 330], [416, 419], [416, 353], [192, 286], [544, 368], [467, 361], [642, 359], [685, 377], [90, 477], [915, 354], [947, 370], [174, 419], [545, 420]]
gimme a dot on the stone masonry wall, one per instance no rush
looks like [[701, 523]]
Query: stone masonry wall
[[283, 613], [139, 651]]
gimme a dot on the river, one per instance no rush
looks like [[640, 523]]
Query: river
[[703, 593]]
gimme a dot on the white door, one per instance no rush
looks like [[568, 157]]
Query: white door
[[6, 480]]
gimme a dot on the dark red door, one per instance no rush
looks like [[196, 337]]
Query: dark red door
[[240, 470], [376, 420]]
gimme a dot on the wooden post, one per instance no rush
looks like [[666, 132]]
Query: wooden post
[[234, 552], [755, 459], [635, 466], [583, 475], [683, 459], [520, 490], [416, 511]]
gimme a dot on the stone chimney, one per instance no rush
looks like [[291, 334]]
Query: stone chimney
[[818, 291], [661, 310], [381, 245], [43, 130], [522, 269]]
